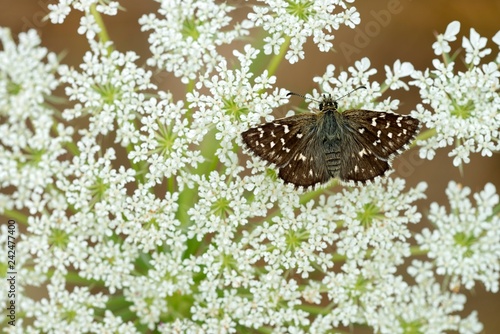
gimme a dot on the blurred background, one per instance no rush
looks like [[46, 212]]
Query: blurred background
[[407, 33]]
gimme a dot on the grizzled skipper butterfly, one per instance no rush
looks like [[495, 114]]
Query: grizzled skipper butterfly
[[355, 145]]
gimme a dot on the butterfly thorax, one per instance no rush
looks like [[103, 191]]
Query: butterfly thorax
[[330, 120]]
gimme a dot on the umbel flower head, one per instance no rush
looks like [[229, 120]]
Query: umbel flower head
[[136, 210], [464, 105]]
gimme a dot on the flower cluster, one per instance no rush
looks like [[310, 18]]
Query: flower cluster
[[464, 105], [360, 75], [457, 241], [142, 213], [90, 8], [32, 139], [185, 38], [236, 100], [59, 11], [292, 23]]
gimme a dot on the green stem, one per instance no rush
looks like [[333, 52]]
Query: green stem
[[446, 58], [315, 309], [383, 88], [417, 251], [306, 197], [73, 278], [190, 86], [276, 59], [496, 210], [17, 216], [424, 135], [72, 148], [103, 33]]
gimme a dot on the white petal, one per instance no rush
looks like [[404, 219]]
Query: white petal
[[452, 31]]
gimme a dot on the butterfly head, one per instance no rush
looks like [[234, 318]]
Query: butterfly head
[[328, 103]]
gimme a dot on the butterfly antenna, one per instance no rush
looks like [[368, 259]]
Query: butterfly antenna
[[310, 98], [352, 91], [303, 96]]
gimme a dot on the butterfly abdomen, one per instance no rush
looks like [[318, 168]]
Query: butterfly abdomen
[[333, 161]]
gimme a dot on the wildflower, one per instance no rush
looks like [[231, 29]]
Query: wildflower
[[185, 38], [142, 213], [441, 45], [465, 242], [297, 21], [464, 104]]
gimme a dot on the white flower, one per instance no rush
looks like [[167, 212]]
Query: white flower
[[110, 263], [88, 26], [400, 70], [59, 11], [424, 308], [465, 242], [184, 40], [377, 212], [465, 105], [64, 311], [297, 21], [360, 75], [30, 149], [496, 40], [107, 90], [234, 103], [273, 44], [441, 45], [474, 47], [113, 324], [150, 216], [421, 271]]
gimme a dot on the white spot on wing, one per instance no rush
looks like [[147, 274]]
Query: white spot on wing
[[398, 120]]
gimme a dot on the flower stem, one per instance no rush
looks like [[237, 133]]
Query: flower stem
[[276, 59], [424, 135], [103, 33], [16, 215]]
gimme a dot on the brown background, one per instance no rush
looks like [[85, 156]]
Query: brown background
[[407, 34]]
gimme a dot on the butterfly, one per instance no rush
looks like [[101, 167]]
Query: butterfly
[[354, 146]]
